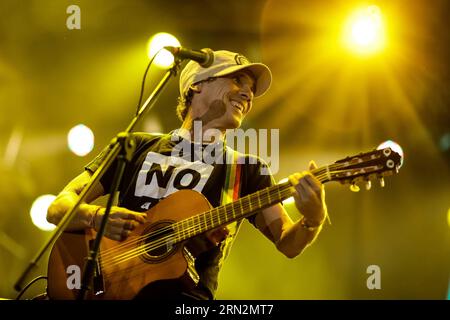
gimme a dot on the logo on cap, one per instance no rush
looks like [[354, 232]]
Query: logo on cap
[[240, 59]]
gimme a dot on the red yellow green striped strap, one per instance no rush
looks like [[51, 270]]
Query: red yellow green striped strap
[[231, 189]]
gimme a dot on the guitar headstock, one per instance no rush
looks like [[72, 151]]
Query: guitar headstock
[[364, 167]]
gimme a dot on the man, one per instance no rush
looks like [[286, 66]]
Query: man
[[219, 96]]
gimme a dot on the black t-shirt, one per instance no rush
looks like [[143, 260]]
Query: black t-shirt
[[165, 163]]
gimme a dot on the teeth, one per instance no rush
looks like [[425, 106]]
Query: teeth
[[237, 105]]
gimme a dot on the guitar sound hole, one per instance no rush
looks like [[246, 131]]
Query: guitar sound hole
[[158, 241]]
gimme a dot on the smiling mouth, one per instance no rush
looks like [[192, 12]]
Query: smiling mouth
[[238, 105]]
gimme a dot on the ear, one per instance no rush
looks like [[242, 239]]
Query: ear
[[197, 88]]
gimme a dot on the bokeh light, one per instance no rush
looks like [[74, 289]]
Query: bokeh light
[[80, 140], [38, 212], [364, 32], [164, 59], [444, 142]]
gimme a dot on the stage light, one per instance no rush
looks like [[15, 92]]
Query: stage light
[[394, 146], [364, 32], [164, 59], [80, 140], [38, 212]]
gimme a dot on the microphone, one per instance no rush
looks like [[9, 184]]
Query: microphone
[[204, 57]]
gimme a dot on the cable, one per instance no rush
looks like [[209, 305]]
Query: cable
[[28, 285], [143, 80]]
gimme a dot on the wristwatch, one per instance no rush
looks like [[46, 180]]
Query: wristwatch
[[305, 225]]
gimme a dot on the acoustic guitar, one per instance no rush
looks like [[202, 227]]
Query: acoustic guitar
[[159, 250]]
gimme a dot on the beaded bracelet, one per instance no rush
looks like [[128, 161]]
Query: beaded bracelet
[[308, 227]]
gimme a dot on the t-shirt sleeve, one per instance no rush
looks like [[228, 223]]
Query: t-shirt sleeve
[[257, 176], [106, 179], [93, 166]]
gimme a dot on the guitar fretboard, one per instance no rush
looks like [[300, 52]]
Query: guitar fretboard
[[244, 207]]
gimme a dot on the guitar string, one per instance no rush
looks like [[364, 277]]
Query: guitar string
[[194, 227], [109, 252], [152, 246], [168, 228], [181, 225], [176, 238], [162, 241]]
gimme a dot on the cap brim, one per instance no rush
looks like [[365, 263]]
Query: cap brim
[[262, 74]]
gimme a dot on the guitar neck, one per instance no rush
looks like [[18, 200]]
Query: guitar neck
[[244, 207]]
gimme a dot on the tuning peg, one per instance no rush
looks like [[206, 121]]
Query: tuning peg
[[354, 187], [368, 184], [382, 182]]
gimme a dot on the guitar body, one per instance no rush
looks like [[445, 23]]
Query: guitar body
[[122, 275]]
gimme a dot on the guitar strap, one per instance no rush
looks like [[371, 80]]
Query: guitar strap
[[231, 192], [231, 188]]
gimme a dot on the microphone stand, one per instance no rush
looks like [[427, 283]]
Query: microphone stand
[[120, 148]]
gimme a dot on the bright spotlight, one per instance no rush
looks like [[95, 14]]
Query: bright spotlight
[[38, 212], [164, 59], [394, 146], [364, 31], [80, 140]]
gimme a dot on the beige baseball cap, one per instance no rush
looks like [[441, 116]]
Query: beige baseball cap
[[225, 62]]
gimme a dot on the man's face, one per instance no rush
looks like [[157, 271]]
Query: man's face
[[223, 102]]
